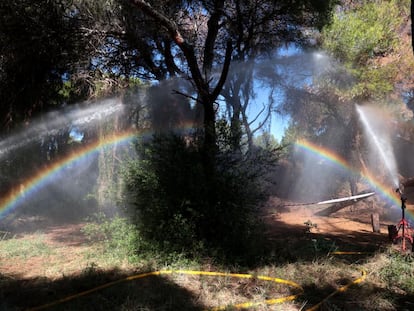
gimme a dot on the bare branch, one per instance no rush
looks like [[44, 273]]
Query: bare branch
[[258, 115], [186, 95]]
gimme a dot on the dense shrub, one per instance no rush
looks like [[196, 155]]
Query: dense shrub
[[172, 203]]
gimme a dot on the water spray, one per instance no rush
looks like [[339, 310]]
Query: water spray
[[75, 116], [384, 149]]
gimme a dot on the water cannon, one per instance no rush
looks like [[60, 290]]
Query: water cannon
[[402, 197], [403, 232]]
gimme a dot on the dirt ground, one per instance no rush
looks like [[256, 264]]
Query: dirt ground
[[62, 270], [352, 219], [67, 246], [350, 226]]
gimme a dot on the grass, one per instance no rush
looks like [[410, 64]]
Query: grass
[[25, 248], [65, 271]]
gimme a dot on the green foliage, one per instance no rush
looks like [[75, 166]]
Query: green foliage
[[25, 248], [310, 226], [178, 210], [373, 82], [358, 37], [65, 90], [266, 141], [323, 246], [365, 32], [119, 237], [163, 184], [38, 45], [227, 138], [399, 272]]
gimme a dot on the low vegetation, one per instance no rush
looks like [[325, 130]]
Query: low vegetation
[[24, 249], [109, 257]]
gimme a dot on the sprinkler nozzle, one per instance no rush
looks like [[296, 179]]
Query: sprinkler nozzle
[[402, 196], [400, 190]]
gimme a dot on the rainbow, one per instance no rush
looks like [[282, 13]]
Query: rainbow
[[44, 176], [17, 195], [325, 153]]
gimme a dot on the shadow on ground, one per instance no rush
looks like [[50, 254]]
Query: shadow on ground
[[286, 244], [364, 296], [154, 292]]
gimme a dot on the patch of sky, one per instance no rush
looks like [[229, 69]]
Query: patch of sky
[[290, 67], [65, 77], [76, 135], [283, 70]]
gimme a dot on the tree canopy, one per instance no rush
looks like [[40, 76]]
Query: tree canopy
[[43, 45]]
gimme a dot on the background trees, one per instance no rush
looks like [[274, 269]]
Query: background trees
[[39, 43], [367, 67], [206, 63]]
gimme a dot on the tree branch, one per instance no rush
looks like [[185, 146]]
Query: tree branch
[[213, 29], [224, 72], [186, 95], [187, 49], [167, 23]]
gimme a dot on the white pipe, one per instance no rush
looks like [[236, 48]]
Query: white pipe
[[354, 197]]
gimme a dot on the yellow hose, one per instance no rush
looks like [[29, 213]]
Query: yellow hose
[[349, 253], [339, 290], [188, 272], [220, 274]]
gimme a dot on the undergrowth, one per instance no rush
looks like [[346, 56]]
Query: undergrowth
[[118, 238], [398, 271], [180, 206], [120, 241], [24, 249], [307, 262]]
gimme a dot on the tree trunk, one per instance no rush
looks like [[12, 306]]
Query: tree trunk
[[207, 95], [209, 151]]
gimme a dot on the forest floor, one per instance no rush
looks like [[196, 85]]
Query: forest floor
[[351, 224], [66, 245], [54, 261]]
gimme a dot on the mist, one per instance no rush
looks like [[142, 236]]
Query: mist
[[79, 116], [47, 190], [340, 125], [284, 81], [78, 189]]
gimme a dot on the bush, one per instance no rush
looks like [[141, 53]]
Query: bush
[[172, 201], [119, 237], [163, 185]]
